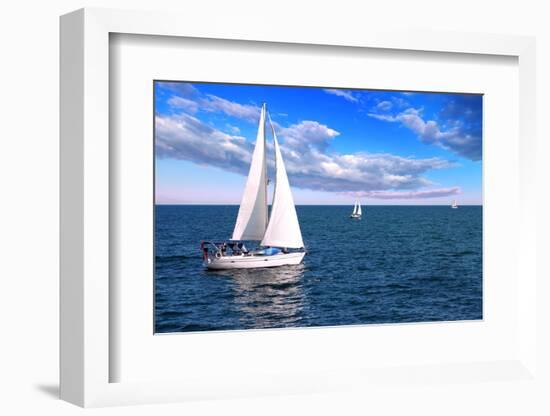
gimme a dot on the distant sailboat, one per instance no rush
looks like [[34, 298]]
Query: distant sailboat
[[279, 233], [454, 205], [356, 214]]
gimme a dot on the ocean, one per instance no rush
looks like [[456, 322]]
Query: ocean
[[398, 264]]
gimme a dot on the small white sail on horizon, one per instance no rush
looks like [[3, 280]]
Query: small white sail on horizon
[[356, 213], [454, 205]]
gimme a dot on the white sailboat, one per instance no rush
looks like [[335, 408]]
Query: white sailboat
[[454, 205], [279, 233], [357, 213]]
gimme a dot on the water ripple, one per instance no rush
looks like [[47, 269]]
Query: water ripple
[[398, 264]]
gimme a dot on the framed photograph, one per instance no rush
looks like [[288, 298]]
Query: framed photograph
[[382, 190], [288, 221]]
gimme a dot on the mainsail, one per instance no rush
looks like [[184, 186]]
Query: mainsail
[[283, 229], [358, 211], [252, 218]]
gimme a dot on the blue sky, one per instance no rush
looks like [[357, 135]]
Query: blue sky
[[383, 147]]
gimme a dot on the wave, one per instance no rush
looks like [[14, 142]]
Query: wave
[[171, 258], [278, 286], [395, 286], [464, 253]]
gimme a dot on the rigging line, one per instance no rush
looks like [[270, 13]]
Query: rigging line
[[274, 139], [264, 108], [270, 123]]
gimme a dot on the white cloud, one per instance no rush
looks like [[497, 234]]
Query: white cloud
[[384, 105], [305, 149], [186, 137], [307, 133], [189, 99], [383, 117], [456, 138], [358, 172], [305, 146], [311, 165], [183, 89], [399, 102], [233, 129], [184, 104], [242, 111], [347, 95]]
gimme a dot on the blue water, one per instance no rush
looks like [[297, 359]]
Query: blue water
[[398, 264]]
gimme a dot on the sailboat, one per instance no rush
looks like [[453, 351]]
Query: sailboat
[[356, 214], [279, 233], [454, 205]]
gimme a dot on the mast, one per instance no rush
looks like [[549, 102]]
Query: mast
[[264, 110]]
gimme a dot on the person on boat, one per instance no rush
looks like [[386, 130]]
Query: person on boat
[[242, 248], [238, 249]]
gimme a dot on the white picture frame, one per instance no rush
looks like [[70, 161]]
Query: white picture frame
[[85, 208]]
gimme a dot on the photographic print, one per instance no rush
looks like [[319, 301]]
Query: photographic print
[[289, 206]]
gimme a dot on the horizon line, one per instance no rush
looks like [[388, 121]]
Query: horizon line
[[337, 205]]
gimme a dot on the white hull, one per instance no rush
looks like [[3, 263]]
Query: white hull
[[355, 216], [253, 261]]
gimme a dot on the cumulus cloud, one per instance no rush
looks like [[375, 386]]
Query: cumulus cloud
[[242, 111], [307, 133], [384, 105], [306, 146], [233, 129], [183, 89], [347, 95], [312, 169], [186, 97], [400, 102], [183, 104], [186, 137], [461, 136], [305, 149]]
